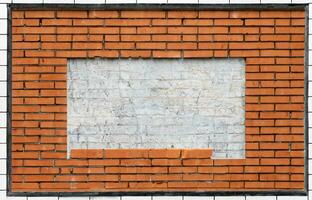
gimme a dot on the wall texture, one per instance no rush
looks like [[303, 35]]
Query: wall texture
[[168, 103], [271, 42]]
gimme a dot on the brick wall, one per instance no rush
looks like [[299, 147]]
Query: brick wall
[[272, 43]]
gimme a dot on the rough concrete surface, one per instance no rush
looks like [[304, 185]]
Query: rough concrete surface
[[157, 103]]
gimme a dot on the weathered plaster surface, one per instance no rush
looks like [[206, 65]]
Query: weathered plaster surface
[[157, 103]]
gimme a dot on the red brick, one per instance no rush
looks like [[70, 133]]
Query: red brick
[[88, 153], [142, 14], [72, 14]]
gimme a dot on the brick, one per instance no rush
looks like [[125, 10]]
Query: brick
[[166, 162], [167, 54], [55, 185], [70, 178], [87, 45], [213, 14], [71, 14], [142, 14], [135, 162], [198, 162], [55, 46], [151, 30], [34, 30], [39, 53], [104, 178], [274, 14], [130, 38], [171, 22], [25, 45], [213, 30], [136, 53], [166, 153], [25, 186], [182, 46], [88, 22], [117, 45], [226, 38], [71, 54], [127, 22], [120, 153], [56, 22], [25, 155], [39, 14], [150, 45], [140, 185], [40, 85], [89, 153], [104, 53], [197, 153], [103, 14], [38, 163], [71, 30], [106, 162], [166, 38]]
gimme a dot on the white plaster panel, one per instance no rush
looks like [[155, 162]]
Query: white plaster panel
[[244, 1], [3, 182], [59, 1], [16, 198], [291, 198], [120, 1], [167, 197], [194, 103], [310, 180], [27, 1], [3, 119], [260, 197], [3, 167], [89, 1], [229, 198], [3, 11], [3, 104], [310, 73], [310, 14], [74, 198], [5, 1], [4, 26], [105, 198], [3, 42], [183, 1], [213, 1], [3, 57], [275, 1], [198, 198], [300, 1], [42, 198], [310, 135], [152, 1], [136, 198], [3, 89], [3, 73], [310, 89], [3, 151], [310, 151], [3, 135]]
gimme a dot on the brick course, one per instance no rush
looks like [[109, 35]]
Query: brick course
[[272, 43]]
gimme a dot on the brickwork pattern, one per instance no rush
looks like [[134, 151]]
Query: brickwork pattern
[[272, 43]]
